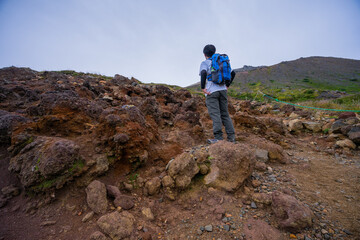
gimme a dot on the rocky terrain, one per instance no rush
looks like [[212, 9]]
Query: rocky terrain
[[91, 157]]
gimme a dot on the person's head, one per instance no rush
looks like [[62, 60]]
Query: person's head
[[209, 50]]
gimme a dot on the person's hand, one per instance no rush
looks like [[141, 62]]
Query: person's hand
[[205, 91]]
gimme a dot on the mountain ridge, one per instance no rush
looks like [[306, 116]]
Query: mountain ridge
[[322, 73]]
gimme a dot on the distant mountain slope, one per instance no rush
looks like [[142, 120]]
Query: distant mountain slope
[[319, 73]]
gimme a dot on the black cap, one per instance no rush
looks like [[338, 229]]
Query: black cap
[[209, 50]]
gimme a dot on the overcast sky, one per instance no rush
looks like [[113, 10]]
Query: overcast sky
[[161, 41]]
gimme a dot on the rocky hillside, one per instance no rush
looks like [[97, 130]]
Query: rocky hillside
[[318, 73], [91, 157]]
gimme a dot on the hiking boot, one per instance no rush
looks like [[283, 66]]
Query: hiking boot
[[212, 141]]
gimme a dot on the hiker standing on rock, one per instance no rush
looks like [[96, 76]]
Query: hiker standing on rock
[[216, 77]]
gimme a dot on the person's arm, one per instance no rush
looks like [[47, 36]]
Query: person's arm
[[232, 78], [203, 76]]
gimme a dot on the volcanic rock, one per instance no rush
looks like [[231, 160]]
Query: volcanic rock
[[313, 126], [96, 196], [117, 225], [291, 214], [231, 164], [125, 202], [152, 187], [295, 125], [182, 169], [47, 162], [346, 143], [259, 229]]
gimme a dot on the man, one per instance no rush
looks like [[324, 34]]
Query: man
[[216, 99]]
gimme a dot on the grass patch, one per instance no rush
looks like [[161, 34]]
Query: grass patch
[[345, 103], [77, 74], [78, 165]]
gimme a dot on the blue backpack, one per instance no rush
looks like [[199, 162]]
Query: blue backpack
[[220, 69]]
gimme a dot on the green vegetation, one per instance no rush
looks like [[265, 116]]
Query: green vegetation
[[351, 102], [77, 165], [132, 179], [46, 184], [75, 74]]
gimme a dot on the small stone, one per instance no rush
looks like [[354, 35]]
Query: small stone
[[323, 231], [199, 232], [10, 191], [292, 236], [262, 155], [47, 223], [167, 181], [98, 236], [125, 202], [255, 183], [129, 187], [204, 169], [70, 208], [253, 205], [347, 232], [269, 169], [226, 227], [147, 213], [209, 228], [88, 216]]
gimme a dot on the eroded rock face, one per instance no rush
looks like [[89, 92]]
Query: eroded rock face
[[117, 225], [96, 196], [291, 214], [231, 164], [7, 123], [46, 162], [182, 169]]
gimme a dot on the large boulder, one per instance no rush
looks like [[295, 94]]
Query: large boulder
[[117, 225], [231, 164], [290, 213], [182, 169], [46, 162], [96, 196]]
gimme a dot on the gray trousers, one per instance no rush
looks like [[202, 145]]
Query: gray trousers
[[217, 105]]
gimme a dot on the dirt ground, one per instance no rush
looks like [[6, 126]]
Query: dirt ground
[[328, 182]]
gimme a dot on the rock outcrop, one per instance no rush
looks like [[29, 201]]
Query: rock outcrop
[[46, 162], [231, 164]]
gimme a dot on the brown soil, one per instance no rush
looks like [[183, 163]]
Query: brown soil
[[328, 183]]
